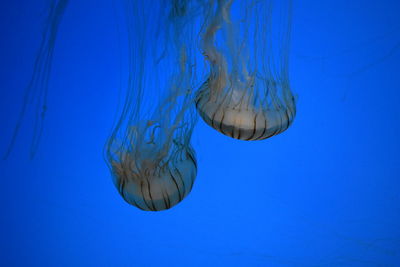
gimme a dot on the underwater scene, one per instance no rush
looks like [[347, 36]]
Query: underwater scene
[[200, 133]]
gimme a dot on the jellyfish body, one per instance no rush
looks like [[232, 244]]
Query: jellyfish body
[[149, 153], [239, 118], [247, 94], [151, 180]]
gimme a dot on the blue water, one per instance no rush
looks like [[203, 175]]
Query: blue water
[[324, 193]]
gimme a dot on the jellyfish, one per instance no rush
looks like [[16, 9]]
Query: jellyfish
[[36, 92], [152, 162], [247, 93]]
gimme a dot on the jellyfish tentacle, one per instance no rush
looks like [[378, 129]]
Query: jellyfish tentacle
[[36, 92]]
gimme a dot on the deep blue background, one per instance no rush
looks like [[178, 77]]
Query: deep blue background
[[324, 193]]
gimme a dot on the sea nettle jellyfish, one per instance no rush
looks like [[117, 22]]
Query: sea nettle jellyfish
[[247, 94], [149, 151]]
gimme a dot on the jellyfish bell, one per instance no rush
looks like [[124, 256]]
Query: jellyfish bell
[[237, 114], [153, 176], [243, 104]]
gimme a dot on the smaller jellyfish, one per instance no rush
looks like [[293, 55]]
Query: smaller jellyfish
[[35, 95], [154, 175], [247, 94], [149, 153]]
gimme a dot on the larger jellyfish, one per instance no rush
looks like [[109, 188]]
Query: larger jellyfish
[[149, 152], [247, 94]]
